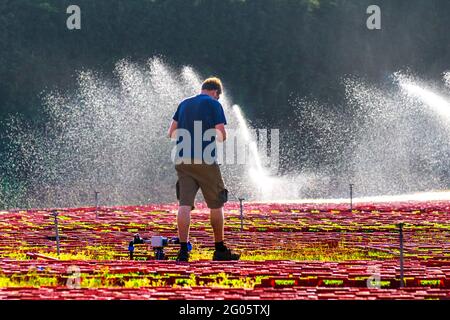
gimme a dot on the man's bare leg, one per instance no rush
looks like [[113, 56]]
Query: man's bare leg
[[216, 218], [221, 252], [184, 221]]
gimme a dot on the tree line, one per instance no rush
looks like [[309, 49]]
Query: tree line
[[266, 51]]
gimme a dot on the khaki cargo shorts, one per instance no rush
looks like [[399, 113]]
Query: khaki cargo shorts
[[207, 177]]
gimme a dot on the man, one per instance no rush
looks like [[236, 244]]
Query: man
[[196, 167]]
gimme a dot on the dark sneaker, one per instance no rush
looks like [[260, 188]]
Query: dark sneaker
[[226, 255], [183, 256]]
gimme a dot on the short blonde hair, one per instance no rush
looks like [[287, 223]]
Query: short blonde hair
[[212, 83]]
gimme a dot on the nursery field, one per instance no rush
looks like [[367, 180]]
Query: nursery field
[[288, 251]]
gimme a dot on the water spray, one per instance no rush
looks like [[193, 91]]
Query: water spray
[[436, 102], [447, 78], [247, 137], [114, 117], [256, 170]]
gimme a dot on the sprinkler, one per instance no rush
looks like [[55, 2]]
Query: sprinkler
[[136, 240], [241, 207], [402, 281], [157, 242], [55, 214], [96, 204], [351, 197]]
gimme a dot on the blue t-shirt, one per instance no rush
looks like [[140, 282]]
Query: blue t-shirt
[[198, 116]]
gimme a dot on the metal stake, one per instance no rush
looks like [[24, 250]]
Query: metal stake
[[351, 197], [96, 204], [241, 206], [402, 281], [55, 214]]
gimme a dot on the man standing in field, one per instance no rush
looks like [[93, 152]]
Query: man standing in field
[[197, 119]]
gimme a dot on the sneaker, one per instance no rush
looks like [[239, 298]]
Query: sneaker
[[226, 255], [183, 256]]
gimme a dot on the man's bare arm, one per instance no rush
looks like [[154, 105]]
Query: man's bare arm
[[221, 132], [173, 127]]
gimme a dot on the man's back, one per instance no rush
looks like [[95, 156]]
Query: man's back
[[196, 115]]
